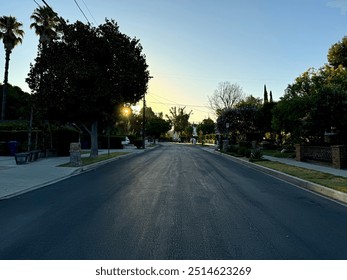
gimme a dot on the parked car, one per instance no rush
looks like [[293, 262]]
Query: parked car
[[126, 141]]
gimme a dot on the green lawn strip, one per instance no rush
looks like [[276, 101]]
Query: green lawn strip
[[88, 160], [324, 179]]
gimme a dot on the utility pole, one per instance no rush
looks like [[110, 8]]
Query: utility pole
[[144, 119], [144, 122]]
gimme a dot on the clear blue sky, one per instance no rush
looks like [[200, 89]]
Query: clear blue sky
[[192, 45]]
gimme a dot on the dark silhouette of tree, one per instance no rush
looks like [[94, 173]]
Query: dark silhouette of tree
[[18, 103], [207, 126], [46, 24], [266, 100], [271, 99], [241, 122], [83, 76], [179, 119], [11, 33]]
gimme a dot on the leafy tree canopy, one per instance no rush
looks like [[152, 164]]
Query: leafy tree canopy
[[337, 54], [237, 121], [18, 103], [314, 104], [207, 126], [84, 75], [179, 118]]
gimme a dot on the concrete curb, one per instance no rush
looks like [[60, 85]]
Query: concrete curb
[[324, 191]]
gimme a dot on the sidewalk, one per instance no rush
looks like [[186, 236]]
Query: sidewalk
[[312, 166], [19, 179]]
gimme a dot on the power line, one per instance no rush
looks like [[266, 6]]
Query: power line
[[178, 104], [59, 18], [175, 103], [37, 3], [89, 12], [81, 11]]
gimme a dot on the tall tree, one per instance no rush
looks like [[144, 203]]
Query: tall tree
[[99, 68], [157, 126], [207, 126], [226, 96], [179, 119], [250, 101], [11, 33], [241, 122], [337, 54], [271, 99], [266, 100], [46, 24], [314, 104]]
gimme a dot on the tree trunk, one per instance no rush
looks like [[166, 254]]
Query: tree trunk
[[30, 129], [5, 88], [94, 140]]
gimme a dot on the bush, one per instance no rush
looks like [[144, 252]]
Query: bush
[[232, 149], [256, 155], [138, 143], [244, 151], [245, 144]]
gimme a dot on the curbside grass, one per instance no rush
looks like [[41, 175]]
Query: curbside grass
[[321, 178]]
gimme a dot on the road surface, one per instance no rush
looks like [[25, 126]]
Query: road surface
[[173, 202]]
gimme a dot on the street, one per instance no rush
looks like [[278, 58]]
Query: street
[[173, 202]]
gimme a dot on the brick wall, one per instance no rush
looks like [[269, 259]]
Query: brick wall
[[335, 155]]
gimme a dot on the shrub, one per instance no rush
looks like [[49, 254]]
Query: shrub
[[243, 151], [138, 143], [232, 149], [245, 144], [256, 154]]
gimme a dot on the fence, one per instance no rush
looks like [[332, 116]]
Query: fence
[[334, 155]]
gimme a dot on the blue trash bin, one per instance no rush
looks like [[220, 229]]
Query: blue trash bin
[[12, 147]]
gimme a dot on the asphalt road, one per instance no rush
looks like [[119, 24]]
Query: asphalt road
[[174, 202]]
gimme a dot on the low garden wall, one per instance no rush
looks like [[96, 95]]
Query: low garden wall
[[334, 155]]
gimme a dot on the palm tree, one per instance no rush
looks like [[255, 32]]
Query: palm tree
[[46, 24], [11, 33]]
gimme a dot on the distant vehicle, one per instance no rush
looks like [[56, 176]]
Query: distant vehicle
[[126, 141]]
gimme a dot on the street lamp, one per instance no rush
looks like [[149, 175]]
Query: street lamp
[[144, 119], [126, 111]]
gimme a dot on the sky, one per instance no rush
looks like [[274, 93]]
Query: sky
[[193, 45]]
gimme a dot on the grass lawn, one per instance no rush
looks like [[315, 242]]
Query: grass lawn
[[88, 160], [324, 179]]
